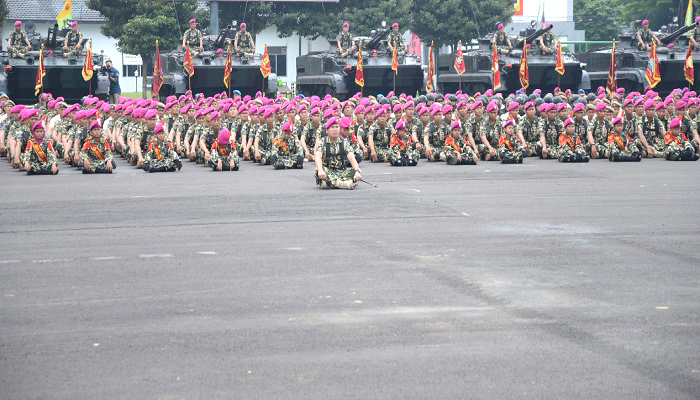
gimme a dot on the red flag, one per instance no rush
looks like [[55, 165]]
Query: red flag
[[265, 68], [157, 74], [395, 62], [359, 72], [459, 60], [653, 74], [688, 66], [187, 63], [431, 71], [228, 67], [87, 66], [496, 70], [560, 61], [524, 70], [611, 87], [40, 72]]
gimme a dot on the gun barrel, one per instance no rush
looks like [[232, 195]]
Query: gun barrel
[[373, 42], [52, 39], [531, 39], [675, 35]]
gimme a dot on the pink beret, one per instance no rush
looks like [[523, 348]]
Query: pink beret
[[95, 124], [509, 122], [561, 107], [408, 104], [186, 108], [513, 105], [18, 23], [268, 113], [105, 108], [551, 107], [528, 105], [435, 110], [648, 104], [600, 106], [543, 107], [331, 122], [52, 104], [287, 127], [617, 120], [627, 102], [345, 122], [129, 110], [500, 26], [198, 113], [90, 113], [380, 112], [680, 105], [568, 122], [660, 106], [579, 107], [675, 123], [224, 136], [477, 104], [328, 113], [423, 111], [394, 25], [360, 109], [159, 128], [315, 110], [39, 125], [214, 115], [400, 125], [446, 109], [364, 101], [150, 114], [537, 91], [193, 21], [620, 91], [645, 22], [454, 125], [346, 24], [398, 108], [67, 111], [697, 19], [28, 113], [242, 25], [462, 103], [492, 106], [639, 102]]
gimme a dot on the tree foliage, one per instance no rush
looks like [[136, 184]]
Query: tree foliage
[[4, 10], [256, 14], [599, 18]]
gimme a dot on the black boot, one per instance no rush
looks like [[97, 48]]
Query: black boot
[[411, 162], [358, 158], [572, 157], [235, 167], [279, 165], [672, 157], [102, 170], [273, 159], [695, 157], [146, 167], [178, 164], [86, 171], [638, 157], [616, 157], [687, 154], [579, 157], [225, 166], [563, 158], [172, 169], [215, 167], [31, 172]]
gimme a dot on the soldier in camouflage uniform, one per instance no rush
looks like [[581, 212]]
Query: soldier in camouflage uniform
[[549, 130], [193, 38], [264, 136], [419, 128], [243, 42], [346, 133], [160, 156], [490, 134], [286, 149], [645, 36], [548, 44], [402, 151], [18, 45], [28, 117], [582, 127], [96, 155], [652, 130], [688, 127], [180, 127], [73, 44], [224, 156], [527, 129], [331, 154], [346, 46], [378, 137], [600, 128], [193, 134], [208, 133], [144, 135], [695, 37], [395, 40], [678, 148], [458, 150], [311, 133], [40, 158], [510, 148], [571, 148], [501, 41], [621, 146], [434, 136]]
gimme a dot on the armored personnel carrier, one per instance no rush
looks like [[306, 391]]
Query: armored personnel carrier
[[63, 75], [209, 67], [478, 76], [632, 62], [326, 72]]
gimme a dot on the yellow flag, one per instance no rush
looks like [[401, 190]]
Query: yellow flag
[[65, 14]]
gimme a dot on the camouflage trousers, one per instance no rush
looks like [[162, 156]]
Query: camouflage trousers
[[336, 178], [400, 158], [552, 151], [382, 153], [438, 153], [508, 156], [683, 152], [231, 160], [287, 162], [531, 149], [168, 162], [631, 153], [264, 156], [99, 166], [656, 146], [72, 51], [484, 153], [603, 150], [578, 155], [40, 168], [548, 49], [243, 50], [19, 51], [468, 158]]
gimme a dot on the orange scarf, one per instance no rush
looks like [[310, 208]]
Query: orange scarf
[[281, 144], [94, 149], [503, 140], [617, 140], [395, 141], [37, 149]]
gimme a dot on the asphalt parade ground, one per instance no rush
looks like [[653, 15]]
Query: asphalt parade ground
[[535, 281]]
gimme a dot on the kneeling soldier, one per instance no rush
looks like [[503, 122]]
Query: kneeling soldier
[[39, 154], [96, 155], [286, 150], [223, 155], [160, 156], [330, 155], [458, 151], [678, 148]]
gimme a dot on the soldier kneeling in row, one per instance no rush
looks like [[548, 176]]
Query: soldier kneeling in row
[[678, 148], [286, 149], [458, 151], [96, 155], [160, 156], [621, 147], [223, 155], [570, 147], [510, 149], [330, 155], [39, 154], [347, 134], [402, 150]]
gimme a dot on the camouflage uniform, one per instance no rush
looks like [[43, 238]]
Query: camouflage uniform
[[417, 130], [73, 39], [623, 148], [354, 146], [654, 133], [581, 130], [361, 133], [226, 153], [311, 135], [287, 153], [687, 127], [403, 152], [40, 157], [551, 130], [530, 134], [160, 157], [571, 143], [244, 40], [493, 132], [396, 40], [192, 38], [190, 133], [501, 43], [510, 150], [265, 138], [436, 140], [181, 125], [600, 131], [346, 42], [333, 156], [678, 148], [22, 135], [98, 155], [455, 147], [206, 136], [548, 41], [19, 44], [646, 36], [381, 136]]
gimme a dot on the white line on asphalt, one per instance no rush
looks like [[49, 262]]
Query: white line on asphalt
[[416, 190], [206, 252], [8, 261], [141, 197], [106, 258], [52, 261], [466, 215], [294, 248], [160, 255]]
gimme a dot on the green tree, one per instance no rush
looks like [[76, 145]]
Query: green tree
[[658, 12], [599, 18], [255, 14], [138, 24], [4, 10]]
